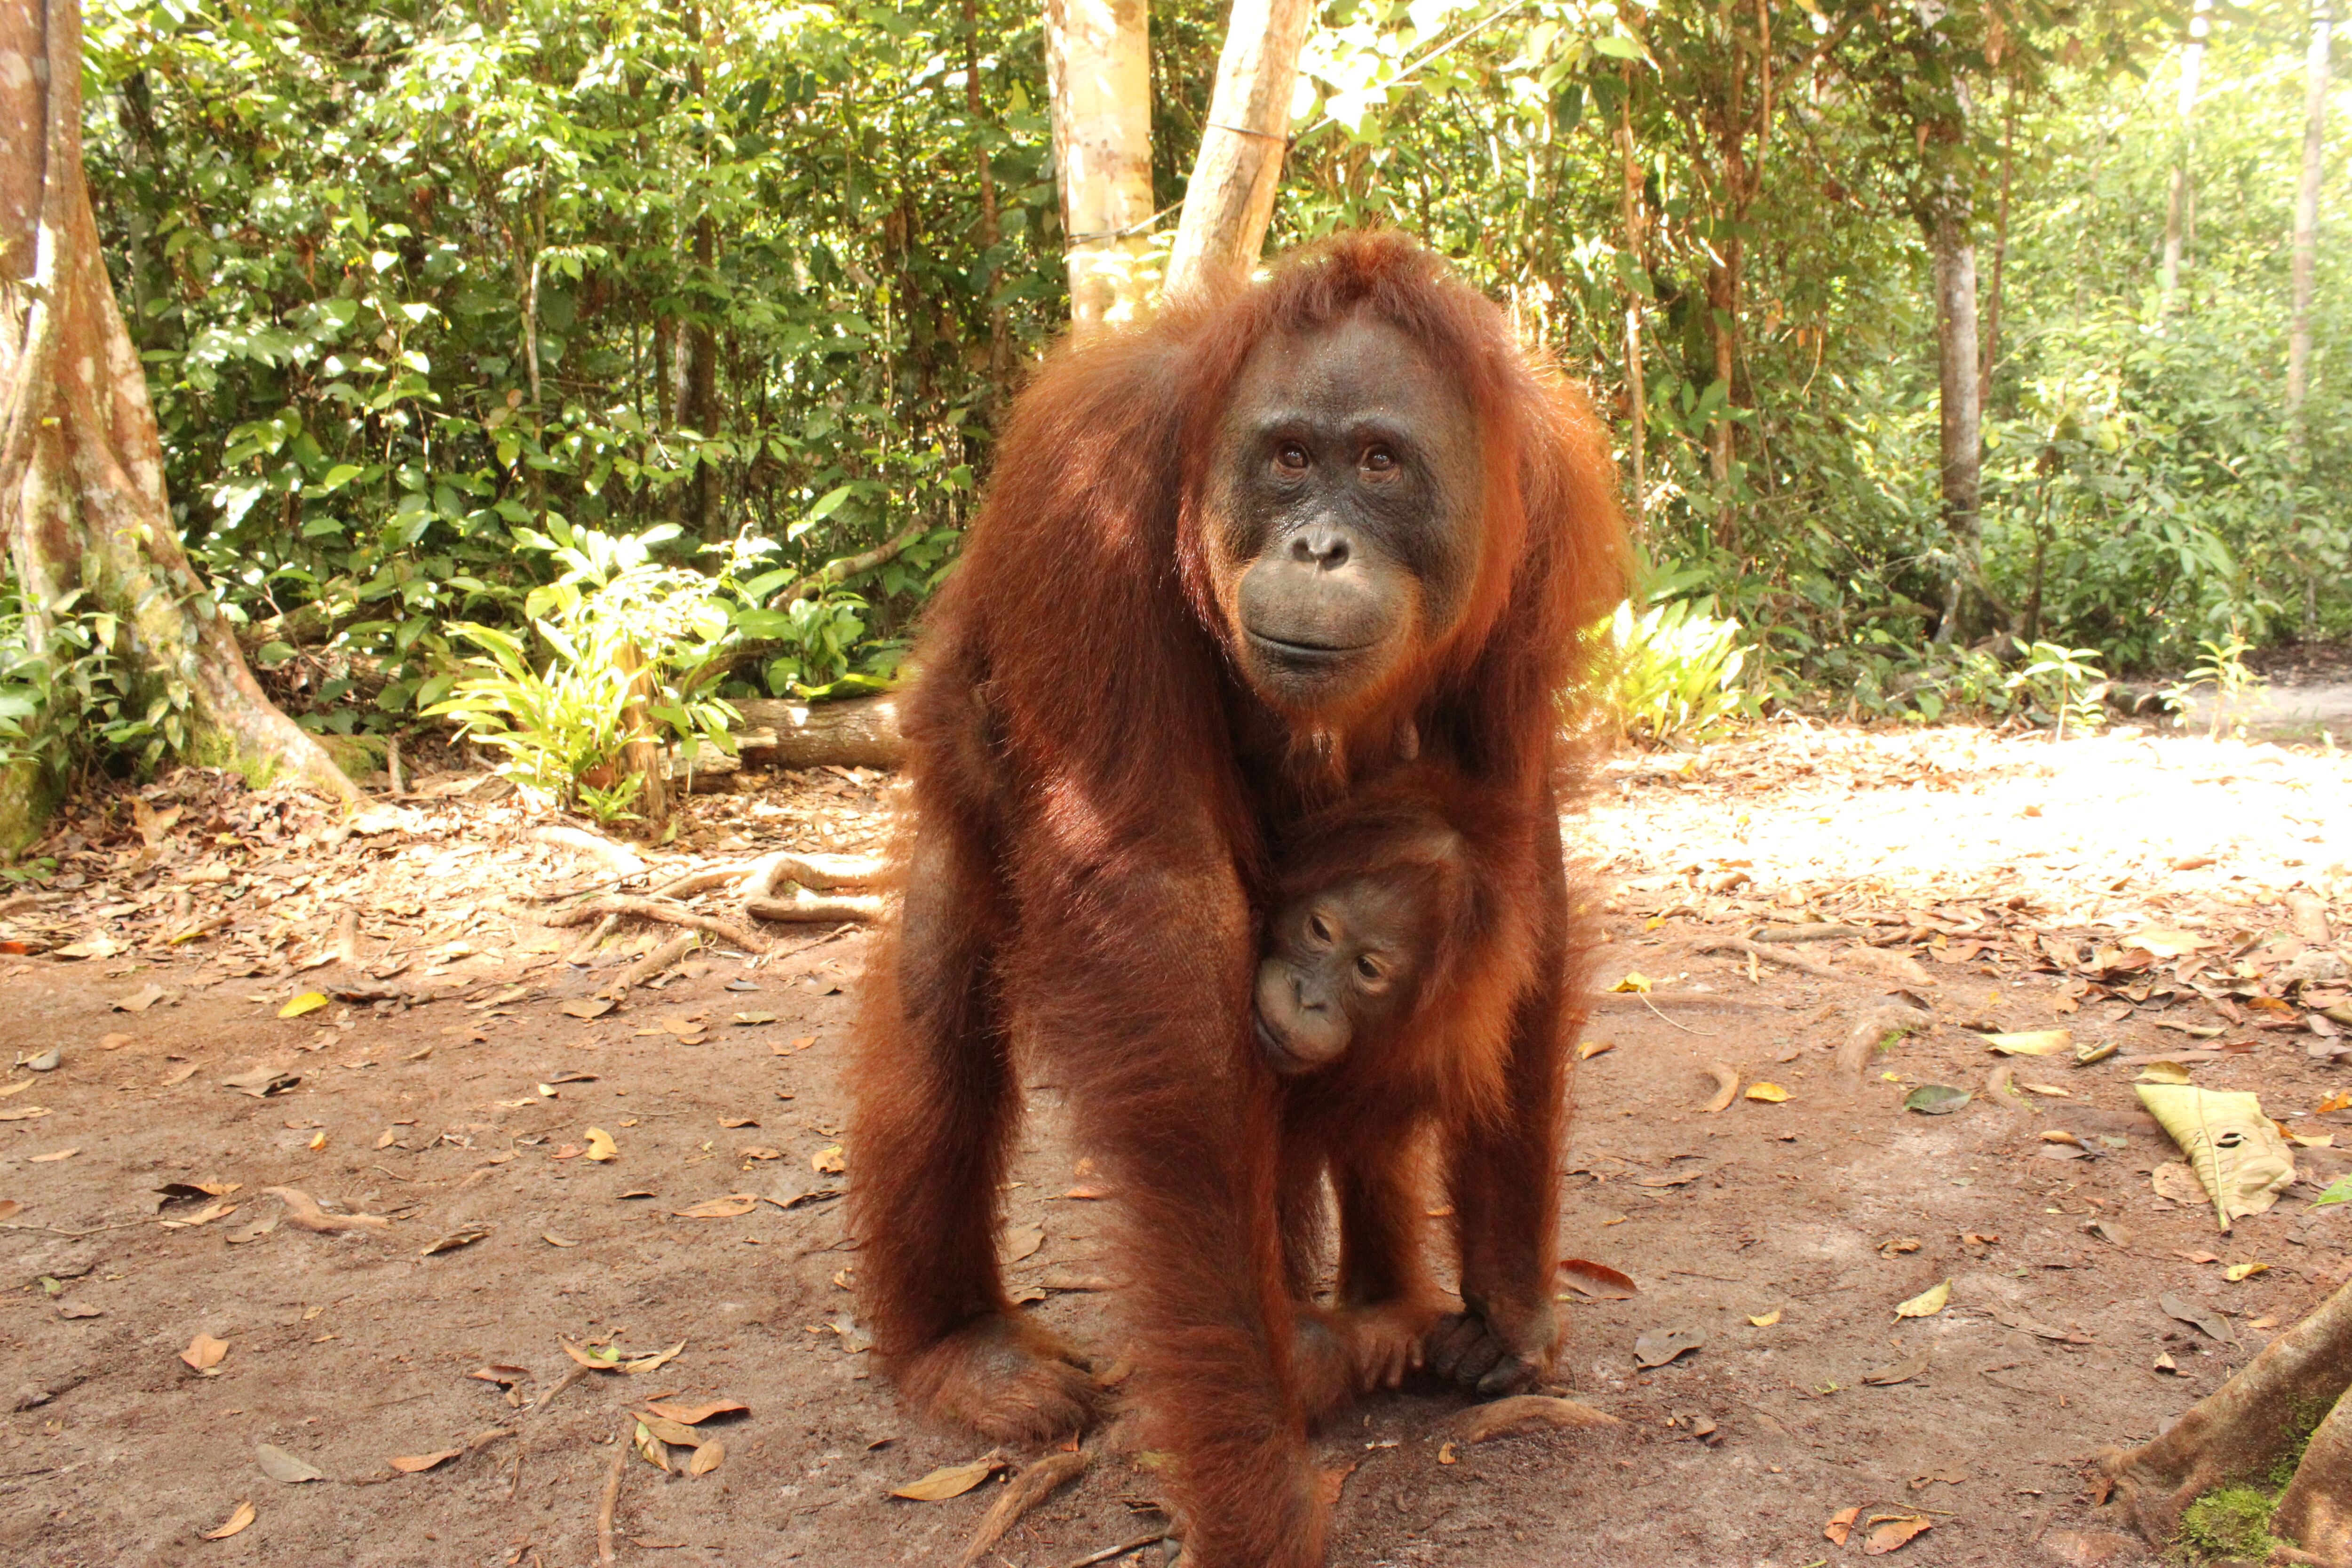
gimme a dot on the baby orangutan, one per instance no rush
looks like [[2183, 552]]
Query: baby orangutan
[[1383, 1002], [1345, 959]]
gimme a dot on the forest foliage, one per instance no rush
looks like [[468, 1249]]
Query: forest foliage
[[444, 303]]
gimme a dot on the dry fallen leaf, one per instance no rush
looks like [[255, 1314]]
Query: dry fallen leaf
[[2235, 1151], [2237, 1271], [592, 1007], [235, 1522], [951, 1481], [309, 1002], [1726, 1087], [205, 1353], [693, 1414], [658, 1359], [829, 1162], [1767, 1320], [464, 1236], [410, 1463], [720, 1208], [1023, 1241], [1591, 1048], [1597, 1280], [1841, 1525], [599, 1144], [46, 1159], [1888, 1531], [1928, 1302], [2033, 1043], [2340, 1100], [707, 1457], [597, 1358], [1770, 1093], [1659, 1346], [280, 1466]]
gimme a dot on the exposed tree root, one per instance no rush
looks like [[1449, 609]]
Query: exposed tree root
[[656, 909], [618, 858], [2250, 1428], [1873, 1026], [804, 907], [1030, 1487]]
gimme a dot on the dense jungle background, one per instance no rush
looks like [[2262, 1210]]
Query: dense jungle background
[[482, 334]]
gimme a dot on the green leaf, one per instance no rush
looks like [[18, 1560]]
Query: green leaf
[[1617, 47]]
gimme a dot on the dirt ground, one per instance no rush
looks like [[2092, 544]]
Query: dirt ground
[[2014, 873]]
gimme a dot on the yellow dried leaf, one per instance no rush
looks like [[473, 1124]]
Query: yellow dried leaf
[[2340, 1100], [2234, 1149], [205, 1353], [707, 1458], [600, 1145], [2237, 1271], [1635, 981], [659, 1358], [1591, 1048], [950, 1480], [2033, 1043], [317, 1141], [410, 1463], [2162, 1072], [1767, 1320], [720, 1208], [309, 1002], [1928, 1302], [2167, 943], [829, 1162], [235, 1522], [1769, 1093]]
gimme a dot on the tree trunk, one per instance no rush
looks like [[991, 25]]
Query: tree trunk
[[1630, 206], [1098, 72], [695, 364], [1230, 199], [82, 465], [2176, 210], [1723, 321], [1991, 351], [2306, 258], [1955, 354], [2307, 217]]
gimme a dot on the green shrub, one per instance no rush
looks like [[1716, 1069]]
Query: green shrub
[[1675, 672]]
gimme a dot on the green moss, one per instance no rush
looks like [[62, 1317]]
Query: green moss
[[2308, 1412], [27, 797], [2233, 1522]]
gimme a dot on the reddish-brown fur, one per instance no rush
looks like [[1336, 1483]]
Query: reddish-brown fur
[[1439, 1068], [1094, 793]]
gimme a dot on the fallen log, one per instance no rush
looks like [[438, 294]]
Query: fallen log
[[862, 732]]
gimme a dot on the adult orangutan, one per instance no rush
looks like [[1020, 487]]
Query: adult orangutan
[[1234, 568]]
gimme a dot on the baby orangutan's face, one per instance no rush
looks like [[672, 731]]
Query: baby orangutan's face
[[1341, 964]]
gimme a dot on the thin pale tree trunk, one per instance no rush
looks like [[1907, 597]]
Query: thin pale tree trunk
[[1630, 205], [81, 466], [1960, 430], [2177, 206], [1230, 199], [1991, 351], [1098, 71], [2306, 216]]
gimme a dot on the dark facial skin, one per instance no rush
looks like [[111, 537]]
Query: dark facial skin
[[1341, 963], [1346, 514]]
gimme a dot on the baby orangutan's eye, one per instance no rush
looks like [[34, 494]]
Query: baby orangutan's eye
[[1319, 927], [1369, 967]]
